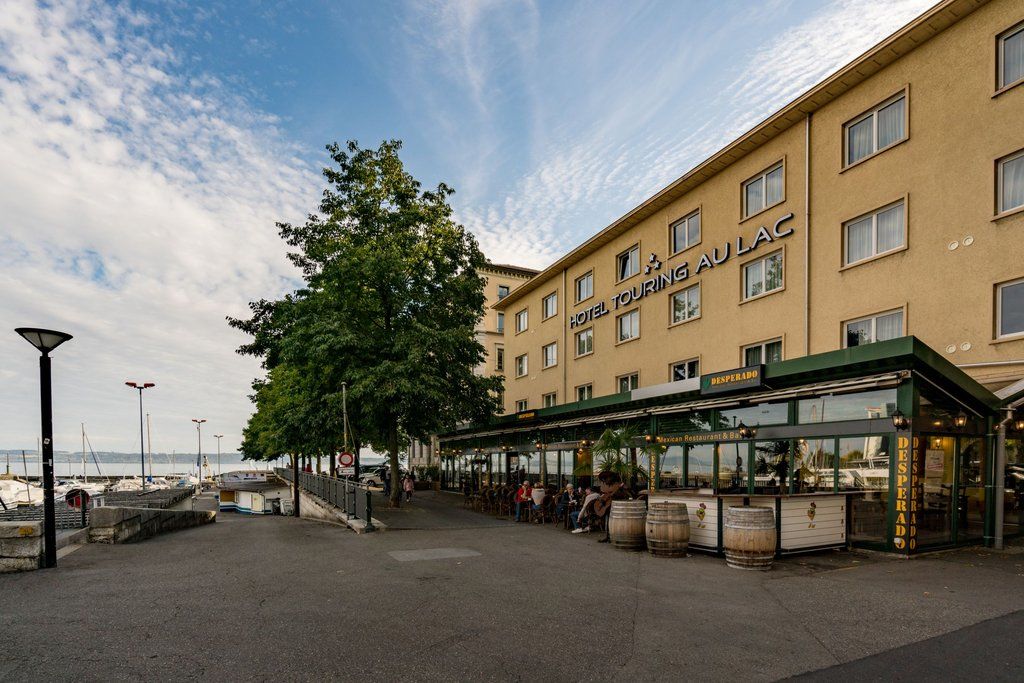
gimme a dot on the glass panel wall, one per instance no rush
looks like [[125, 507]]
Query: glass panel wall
[[700, 466], [497, 469], [971, 489], [815, 466], [732, 471], [751, 416], [864, 466], [771, 466], [671, 467], [551, 475], [533, 465], [857, 406], [1013, 481], [566, 466], [935, 521]]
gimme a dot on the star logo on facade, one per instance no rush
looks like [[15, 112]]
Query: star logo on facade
[[652, 264]]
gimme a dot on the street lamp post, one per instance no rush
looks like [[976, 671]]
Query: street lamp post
[[199, 456], [46, 341], [142, 445], [220, 472]]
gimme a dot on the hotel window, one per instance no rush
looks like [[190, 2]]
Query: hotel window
[[584, 286], [522, 366], [627, 264], [548, 400], [628, 325], [1011, 56], [502, 292], [522, 320], [585, 392], [877, 129], [550, 354], [762, 191], [686, 304], [628, 382], [499, 357], [763, 352], [874, 234], [1010, 182], [687, 369], [875, 328], [1010, 309], [549, 306], [685, 232], [501, 322], [585, 342], [762, 276], [521, 405]]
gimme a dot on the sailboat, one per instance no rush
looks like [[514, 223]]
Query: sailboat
[[15, 492]]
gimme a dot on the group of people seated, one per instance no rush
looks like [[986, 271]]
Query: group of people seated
[[584, 510]]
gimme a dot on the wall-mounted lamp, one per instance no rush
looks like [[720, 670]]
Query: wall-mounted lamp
[[745, 431], [899, 420], [1019, 424], [960, 420]]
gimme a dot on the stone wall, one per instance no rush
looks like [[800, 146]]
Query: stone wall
[[127, 525], [21, 546]]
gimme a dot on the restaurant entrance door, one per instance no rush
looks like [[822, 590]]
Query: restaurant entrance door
[[953, 488]]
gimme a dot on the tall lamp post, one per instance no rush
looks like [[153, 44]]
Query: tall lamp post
[[218, 437], [142, 444], [199, 456], [46, 341]]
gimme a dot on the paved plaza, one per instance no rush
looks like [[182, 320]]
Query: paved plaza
[[458, 595]]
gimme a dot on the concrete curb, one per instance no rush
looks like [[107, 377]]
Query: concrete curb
[[311, 507]]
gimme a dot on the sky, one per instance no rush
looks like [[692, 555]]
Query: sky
[[147, 149]]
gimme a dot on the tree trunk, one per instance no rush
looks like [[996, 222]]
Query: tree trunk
[[396, 494]]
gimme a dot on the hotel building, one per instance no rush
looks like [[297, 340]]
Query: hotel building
[[860, 252]]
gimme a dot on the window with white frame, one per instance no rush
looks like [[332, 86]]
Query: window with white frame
[[687, 369], [763, 190], [549, 306], [627, 264], [585, 341], [875, 130], [550, 354], [522, 365], [628, 382], [685, 232], [522, 405], [1011, 56], [548, 400], [502, 292], [686, 304], [628, 325], [584, 392], [501, 322], [499, 357], [877, 233], [584, 286], [874, 328], [763, 352], [762, 276], [1010, 182], [522, 320], [1010, 309]]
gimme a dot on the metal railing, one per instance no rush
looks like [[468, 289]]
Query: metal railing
[[350, 497]]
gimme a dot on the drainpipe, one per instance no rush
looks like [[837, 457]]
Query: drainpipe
[[807, 235], [565, 341], [1000, 478]]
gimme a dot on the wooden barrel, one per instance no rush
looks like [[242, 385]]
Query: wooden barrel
[[668, 529], [626, 524], [748, 537]]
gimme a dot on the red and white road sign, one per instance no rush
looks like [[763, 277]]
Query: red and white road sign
[[346, 460]]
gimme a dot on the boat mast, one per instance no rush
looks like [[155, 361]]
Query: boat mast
[[85, 475]]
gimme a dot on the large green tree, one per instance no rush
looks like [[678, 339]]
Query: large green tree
[[391, 301]]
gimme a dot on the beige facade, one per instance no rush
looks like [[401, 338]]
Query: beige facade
[[501, 280], [886, 219]]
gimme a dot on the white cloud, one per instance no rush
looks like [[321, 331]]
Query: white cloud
[[137, 211]]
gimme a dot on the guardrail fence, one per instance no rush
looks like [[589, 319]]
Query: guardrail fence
[[352, 498]]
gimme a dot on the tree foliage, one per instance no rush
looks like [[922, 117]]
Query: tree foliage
[[391, 301]]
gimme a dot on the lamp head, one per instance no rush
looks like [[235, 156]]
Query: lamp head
[[960, 420], [899, 420], [44, 340]]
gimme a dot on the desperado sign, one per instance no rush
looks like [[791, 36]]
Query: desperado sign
[[681, 272]]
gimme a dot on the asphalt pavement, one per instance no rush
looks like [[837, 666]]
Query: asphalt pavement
[[484, 599]]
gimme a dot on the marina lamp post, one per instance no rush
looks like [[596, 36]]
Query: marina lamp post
[[218, 437], [46, 341], [199, 456], [142, 445]]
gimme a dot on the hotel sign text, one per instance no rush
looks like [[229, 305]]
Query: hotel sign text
[[681, 272]]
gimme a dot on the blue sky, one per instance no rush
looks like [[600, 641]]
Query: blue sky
[[148, 148]]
